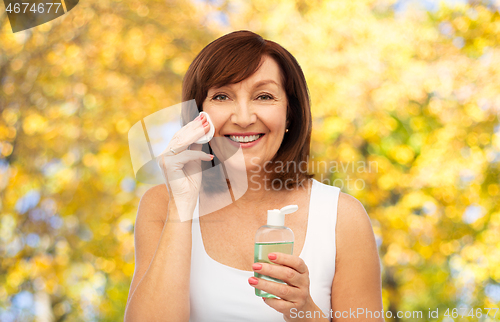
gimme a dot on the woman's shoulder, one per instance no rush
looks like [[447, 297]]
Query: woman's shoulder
[[350, 205], [350, 211], [154, 204], [351, 214], [354, 229], [158, 191]]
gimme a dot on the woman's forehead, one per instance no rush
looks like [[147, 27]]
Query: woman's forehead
[[268, 74]]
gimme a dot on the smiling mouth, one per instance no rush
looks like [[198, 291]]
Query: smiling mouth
[[244, 139]]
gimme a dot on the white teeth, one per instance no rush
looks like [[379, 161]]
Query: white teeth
[[245, 139]]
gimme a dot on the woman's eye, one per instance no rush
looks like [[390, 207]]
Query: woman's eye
[[220, 97], [265, 97]]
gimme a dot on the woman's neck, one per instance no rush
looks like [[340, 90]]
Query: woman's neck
[[262, 190], [254, 192]]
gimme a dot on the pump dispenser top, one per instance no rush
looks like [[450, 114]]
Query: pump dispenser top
[[276, 217]]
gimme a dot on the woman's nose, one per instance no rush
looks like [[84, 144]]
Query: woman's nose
[[243, 114]]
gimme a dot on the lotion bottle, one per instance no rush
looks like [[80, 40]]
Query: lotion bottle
[[271, 238]]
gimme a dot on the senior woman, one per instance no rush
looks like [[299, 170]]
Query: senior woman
[[202, 269]]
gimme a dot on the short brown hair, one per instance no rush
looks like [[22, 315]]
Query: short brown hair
[[234, 57]]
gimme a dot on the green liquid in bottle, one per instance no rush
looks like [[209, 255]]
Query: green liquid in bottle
[[260, 256]]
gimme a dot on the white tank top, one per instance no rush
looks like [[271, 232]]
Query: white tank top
[[220, 293]]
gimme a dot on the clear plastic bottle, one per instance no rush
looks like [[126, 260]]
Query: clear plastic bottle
[[271, 238]]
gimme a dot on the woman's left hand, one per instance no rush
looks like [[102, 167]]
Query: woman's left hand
[[292, 270]]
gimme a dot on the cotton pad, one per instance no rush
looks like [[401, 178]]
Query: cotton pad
[[207, 137]]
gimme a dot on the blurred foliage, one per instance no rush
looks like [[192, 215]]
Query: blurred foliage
[[405, 102]]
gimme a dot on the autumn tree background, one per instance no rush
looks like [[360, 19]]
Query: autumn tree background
[[415, 91]]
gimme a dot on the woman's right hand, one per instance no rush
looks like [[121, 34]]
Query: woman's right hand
[[181, 167]]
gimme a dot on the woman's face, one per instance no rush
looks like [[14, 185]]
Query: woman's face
[[250, 114]]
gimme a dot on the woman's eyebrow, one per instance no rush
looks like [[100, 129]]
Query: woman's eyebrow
[[265, 82], [256, 85]]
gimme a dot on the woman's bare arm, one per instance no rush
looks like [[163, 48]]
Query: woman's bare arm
[[160, 286], [357, 283]]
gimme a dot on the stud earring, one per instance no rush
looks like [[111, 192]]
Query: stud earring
[[286, 130]]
